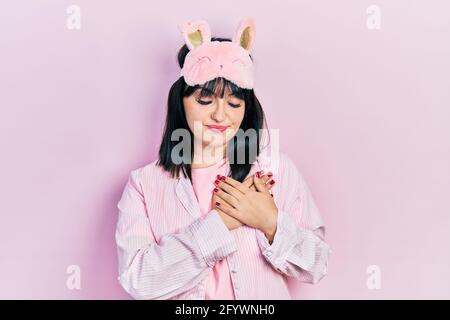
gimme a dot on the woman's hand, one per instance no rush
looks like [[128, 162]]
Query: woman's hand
[[254, 208], [264, 179], [230, 221]]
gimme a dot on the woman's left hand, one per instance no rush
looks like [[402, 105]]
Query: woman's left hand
[[256, 209]]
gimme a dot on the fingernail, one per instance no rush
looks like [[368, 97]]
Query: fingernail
[[222, 177], [215, 190], [272, 181], [257, 174], [271, 195], [216, 182], [270, 174], [218, 176], [217, 204]]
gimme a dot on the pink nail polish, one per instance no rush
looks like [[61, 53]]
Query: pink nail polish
[[215, 190], [222, 178], [272, 181], [218, 204], [216, 182]]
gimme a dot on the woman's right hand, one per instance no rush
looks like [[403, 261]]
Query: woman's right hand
[[231, 222]]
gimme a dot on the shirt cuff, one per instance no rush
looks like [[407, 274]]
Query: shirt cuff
[[213, 237], [284, 240]]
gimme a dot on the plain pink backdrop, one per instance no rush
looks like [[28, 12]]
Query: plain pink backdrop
[[364, 114]]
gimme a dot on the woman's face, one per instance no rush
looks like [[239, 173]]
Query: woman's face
[[214, 119]]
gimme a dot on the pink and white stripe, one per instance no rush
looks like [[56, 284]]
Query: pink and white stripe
[[166, 248]]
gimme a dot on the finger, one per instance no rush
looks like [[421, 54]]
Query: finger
[[265, 178], [259, 185], [227, 218], [229, 189], [270, 181], [225, 207], [221, 211], [269, 184], [234, 183], [225, 197], [247, 182]]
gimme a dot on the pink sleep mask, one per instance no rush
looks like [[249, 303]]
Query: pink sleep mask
[[208, 59]]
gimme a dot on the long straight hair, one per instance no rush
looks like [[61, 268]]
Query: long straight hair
[[176, 118]]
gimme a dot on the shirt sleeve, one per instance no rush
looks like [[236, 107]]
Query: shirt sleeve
[[178, 262], [298, 248]]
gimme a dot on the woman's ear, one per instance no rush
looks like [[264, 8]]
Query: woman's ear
[[195, 33], [245, 34]]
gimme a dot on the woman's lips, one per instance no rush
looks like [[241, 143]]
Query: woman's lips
[[216, 128]]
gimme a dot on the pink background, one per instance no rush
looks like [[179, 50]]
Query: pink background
[[364, 114]]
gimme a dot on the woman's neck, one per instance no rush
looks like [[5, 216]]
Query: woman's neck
[[208, 156]]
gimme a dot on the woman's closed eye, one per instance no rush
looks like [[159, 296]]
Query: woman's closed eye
[[234, 105], [234, 101], [205, 102]]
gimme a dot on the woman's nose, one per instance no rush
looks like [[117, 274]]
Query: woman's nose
[[219, 113]]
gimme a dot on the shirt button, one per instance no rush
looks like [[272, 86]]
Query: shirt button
[[234, 271], [269, 253]]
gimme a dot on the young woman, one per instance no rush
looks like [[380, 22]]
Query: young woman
[[206, 220]]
